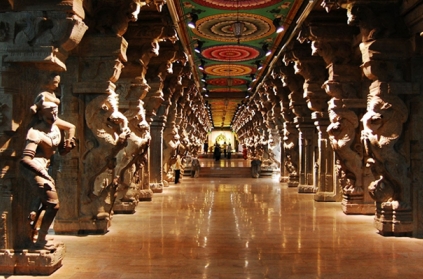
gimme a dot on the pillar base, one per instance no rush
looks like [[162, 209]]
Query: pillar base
[[327, 197], [156, 187], [390, 222], [31, 261], [146, 195], [125, 207], [356, 205], [306, 189], [293, 181], [81, 226]]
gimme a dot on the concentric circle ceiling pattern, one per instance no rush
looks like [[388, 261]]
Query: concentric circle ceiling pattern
[[233, 5], [219, 27], [231, 58], [233, 53], [228, 70], [225, 81]]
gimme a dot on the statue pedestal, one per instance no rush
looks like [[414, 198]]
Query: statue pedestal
[[31, 261], [156, 187], [125, 207], [356, 205], [391, 222], [81, 226], [306, 189], [293, 180], [146, 195]]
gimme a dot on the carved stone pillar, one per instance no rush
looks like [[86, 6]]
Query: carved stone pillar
[[35, 43], [385, 50], [156, 155], [292, 106], [306, 159]]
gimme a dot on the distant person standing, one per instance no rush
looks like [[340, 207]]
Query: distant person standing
[[229, 150], [206, 147], [217, 151], [225, 146], [177, 167], [244, 152]]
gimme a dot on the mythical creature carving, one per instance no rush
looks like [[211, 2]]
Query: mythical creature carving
[[112, 17], [128, 158], [110, 130], [382, 129], [342, 130]]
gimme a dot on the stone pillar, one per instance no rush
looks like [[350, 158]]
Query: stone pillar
[[293, 106], [312, 68], [385, 52], [32, 50], [306, 150]]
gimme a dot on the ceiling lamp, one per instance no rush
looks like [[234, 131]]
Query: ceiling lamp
[[204, 78], [277, 23], [205, 87], [197, 49], [259, 66], [237, 28], [206, 95], [230, 81], [201, 66], [248, 86], [253, 77], [266, 50], [194, 18]]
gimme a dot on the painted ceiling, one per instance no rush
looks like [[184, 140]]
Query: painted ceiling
[[232, 65]]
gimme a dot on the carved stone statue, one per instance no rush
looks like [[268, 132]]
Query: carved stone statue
[[382, 128], [42, 141], [48, 95], [110, 130], [341, 135]]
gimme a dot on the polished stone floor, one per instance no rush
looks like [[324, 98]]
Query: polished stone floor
[[238, 228]]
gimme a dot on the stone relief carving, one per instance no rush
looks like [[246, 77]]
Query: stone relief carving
[[382, 128], [112, 17], [342, 135], [48, 95], [110, 132], [130, 159], [43, 139]]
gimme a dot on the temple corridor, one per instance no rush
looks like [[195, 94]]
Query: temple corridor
[[238, 228]]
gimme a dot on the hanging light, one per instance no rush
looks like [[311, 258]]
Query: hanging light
[[253, 77], [192, 22], [203, 79], [277, 23], [197, 49], [201, 66], [230, 81], [266, 50], [258, 64], [237, 28]]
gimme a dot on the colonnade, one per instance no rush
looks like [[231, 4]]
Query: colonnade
[[339, 111]]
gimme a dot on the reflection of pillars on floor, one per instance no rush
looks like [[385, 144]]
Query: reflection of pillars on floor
[[325, 188], [306, 147], [155, 164]]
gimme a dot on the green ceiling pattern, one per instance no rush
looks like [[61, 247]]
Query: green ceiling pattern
[[231, 63]]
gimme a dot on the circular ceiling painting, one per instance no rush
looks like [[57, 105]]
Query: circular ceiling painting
[[235, 4], [231, 53], [225, 81], [219, 27], [228, 70], [226, 89]]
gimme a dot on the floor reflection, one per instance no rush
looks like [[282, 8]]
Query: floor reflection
[[239, 228]]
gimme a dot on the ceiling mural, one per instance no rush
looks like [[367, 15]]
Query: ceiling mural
[[230, 43]]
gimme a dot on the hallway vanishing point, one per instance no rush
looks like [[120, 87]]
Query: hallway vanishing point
[[238, 229]]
